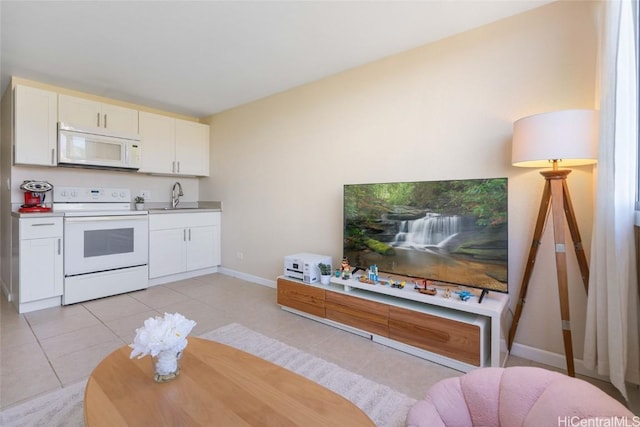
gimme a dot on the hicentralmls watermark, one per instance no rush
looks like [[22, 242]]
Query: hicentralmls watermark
[[575, 421]]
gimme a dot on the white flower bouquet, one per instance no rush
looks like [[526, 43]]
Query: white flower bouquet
[[168, 333], [163, 338]]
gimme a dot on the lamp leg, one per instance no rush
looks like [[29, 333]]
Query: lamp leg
[[557, 209], [575, 236], [533, 252]]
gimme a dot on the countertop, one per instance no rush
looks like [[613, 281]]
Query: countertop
[[152, 208], [17, 214], [183, 207]]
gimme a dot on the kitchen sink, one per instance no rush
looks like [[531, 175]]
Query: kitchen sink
[[177, 208], [187, 206]]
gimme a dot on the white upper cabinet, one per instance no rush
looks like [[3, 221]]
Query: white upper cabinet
[[157, 134], [170, 146], [120, 119], [192, 148], [86, 113], [35, 126], [173, 146]]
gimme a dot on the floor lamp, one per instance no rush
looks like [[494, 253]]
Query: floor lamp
[[565, 138]]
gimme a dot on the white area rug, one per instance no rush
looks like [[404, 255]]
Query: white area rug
[[385, 406]]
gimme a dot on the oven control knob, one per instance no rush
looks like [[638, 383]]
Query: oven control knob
[[122, 194], [64, 193], [114, 194], [73, 193]]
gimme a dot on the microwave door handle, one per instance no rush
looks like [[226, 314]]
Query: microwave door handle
[[126, 152]]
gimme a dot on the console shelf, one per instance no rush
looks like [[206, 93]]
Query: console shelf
[[459, 334]]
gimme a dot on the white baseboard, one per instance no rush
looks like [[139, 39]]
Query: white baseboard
[[553, 359], [182, 276], [5, 290], [248, 277]]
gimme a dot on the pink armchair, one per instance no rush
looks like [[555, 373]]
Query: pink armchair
[[516, 396]]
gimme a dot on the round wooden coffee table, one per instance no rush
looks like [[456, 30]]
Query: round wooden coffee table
[[217, 385]]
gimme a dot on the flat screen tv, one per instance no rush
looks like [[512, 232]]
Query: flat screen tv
[[447, 231]]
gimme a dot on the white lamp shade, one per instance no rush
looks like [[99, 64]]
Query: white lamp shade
[[569, 136]]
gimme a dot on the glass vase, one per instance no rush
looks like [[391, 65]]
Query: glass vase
[[166, 365]]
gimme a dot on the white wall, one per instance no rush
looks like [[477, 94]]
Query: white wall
[[442, 111], [159, 186]]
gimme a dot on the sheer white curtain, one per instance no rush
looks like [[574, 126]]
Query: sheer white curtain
[[611, 336]]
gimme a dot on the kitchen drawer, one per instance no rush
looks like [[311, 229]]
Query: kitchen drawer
[[40, 228]]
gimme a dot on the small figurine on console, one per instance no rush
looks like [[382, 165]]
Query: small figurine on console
[[426, 289], [345, 268], [464, 295], [373, 273], [399, 285]]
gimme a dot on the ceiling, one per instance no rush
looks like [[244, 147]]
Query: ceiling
[[198, 58]]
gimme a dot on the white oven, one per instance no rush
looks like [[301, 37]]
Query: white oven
[[106, 244], [102, 243]]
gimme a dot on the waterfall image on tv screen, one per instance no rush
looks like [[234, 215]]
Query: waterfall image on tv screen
[[449, 231]]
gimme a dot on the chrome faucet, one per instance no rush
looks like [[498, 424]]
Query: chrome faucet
[[175, 196]]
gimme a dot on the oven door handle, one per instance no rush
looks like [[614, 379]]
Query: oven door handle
[[107, 218]]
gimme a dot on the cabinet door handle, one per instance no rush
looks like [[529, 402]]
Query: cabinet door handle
[[98, 118], [189, 234], [59, 244], [178, 166], [184, 235], [42, 223], [105, 120], [53, 156], [173, 166]]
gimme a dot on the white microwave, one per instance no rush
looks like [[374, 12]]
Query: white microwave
[[97, 148]]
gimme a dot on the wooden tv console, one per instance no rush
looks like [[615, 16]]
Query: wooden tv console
[[460, 334]]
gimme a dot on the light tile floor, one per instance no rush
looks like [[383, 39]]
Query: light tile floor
[[52, 348]]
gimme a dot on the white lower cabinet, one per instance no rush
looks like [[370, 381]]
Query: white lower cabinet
[[38, 279], [183, 242], [203, 247]]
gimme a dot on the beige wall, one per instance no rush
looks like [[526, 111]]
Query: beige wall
[[442, 111]]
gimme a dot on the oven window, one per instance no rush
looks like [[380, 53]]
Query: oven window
[[108, 242]]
